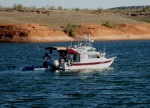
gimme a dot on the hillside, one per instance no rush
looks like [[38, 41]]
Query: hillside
[[30, 33], [119, 32], [48, 26]]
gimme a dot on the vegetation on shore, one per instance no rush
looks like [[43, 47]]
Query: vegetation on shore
[[56, 17], [71, 29], [108, 24], [119, 9], [59, 18]]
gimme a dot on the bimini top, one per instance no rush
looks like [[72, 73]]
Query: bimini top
[[56, 48], [62, 49], [71, 51]]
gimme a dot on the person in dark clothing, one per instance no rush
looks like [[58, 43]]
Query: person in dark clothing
[[46, 56]]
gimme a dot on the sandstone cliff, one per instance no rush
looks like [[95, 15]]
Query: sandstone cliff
[[40, 33], [30, 33], [118, 32]]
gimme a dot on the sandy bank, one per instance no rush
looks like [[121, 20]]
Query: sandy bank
[[40, 33]]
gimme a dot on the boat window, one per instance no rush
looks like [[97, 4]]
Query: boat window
[[74, 57], [93, 56], [88, 45]]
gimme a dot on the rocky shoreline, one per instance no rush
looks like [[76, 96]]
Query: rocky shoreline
[[40, 33]]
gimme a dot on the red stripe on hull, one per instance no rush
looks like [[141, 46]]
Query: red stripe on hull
[[93, 63]]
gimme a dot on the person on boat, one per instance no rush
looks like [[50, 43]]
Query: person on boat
[[61, 60], [46, 56], [64, 57]]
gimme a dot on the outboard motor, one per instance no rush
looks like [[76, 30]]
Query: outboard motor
[[47, 63], [55, 65]]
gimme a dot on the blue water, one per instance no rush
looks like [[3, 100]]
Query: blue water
[[125, 84]]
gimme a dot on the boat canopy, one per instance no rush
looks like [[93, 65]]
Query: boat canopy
[[56, 48], [72, 51], [62, 49], [59, 49]]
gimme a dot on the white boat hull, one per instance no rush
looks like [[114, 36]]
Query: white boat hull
[[87, 65]]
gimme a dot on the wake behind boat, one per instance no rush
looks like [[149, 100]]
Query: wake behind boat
[[80, 56]]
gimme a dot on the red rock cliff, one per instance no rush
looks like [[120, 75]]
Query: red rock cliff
[[40, 33], [30, 33]]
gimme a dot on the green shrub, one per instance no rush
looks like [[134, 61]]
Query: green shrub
[[18, 6], [71, 29], [77, 9], [108, 24], [146, 9], [60, 8], [99, 10]]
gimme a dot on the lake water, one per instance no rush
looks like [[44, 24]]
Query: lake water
[[125, 84]]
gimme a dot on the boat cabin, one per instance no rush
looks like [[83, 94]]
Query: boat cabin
[[75, 54], [65, 53]]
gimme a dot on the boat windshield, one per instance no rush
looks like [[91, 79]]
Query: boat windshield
[[93, 56]]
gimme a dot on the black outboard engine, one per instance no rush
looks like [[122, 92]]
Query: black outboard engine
[[55, 65]]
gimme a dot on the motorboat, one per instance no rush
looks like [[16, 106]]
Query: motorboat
[[80, 56]]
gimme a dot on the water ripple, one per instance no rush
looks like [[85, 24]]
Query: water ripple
[[125, 84]]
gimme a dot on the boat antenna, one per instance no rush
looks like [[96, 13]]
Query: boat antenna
[[71, 43], [88, 38], [85, 39], [78, 40], [104, 48], [38, 47]]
